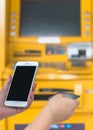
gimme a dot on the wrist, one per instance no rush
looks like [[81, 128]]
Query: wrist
[[43, 120], [49, 113]]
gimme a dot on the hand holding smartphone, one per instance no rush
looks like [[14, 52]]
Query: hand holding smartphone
[[23, 78]]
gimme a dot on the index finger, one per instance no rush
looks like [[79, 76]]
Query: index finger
[[34, 87]]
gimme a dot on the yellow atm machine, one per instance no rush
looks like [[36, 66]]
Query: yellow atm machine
[[57, 34]]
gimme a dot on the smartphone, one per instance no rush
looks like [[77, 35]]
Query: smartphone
[[23, 78]]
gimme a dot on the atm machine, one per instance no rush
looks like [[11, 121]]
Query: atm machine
[[57, 34]]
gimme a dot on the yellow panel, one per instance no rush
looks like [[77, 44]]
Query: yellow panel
[[28, 116], [2, 125]]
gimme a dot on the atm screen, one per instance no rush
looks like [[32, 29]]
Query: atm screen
[[50, 18]]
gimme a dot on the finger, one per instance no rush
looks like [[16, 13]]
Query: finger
[[7, 83], [60, 94], [30, 94], [30, 99], [57, 94], [5, 88], [34, 87], [77, 102]]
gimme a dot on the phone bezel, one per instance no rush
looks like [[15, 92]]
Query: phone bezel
[[10, 103]]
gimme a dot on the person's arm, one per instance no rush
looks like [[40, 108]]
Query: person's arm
[[59, 108], [42, 122], [9, 111]]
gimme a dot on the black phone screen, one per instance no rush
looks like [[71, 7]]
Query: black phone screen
[[21, 83]]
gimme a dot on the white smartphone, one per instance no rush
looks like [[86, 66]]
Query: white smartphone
[[23, 78]]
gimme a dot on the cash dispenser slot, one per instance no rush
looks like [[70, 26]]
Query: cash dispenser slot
[[42, 96], [55, 90]]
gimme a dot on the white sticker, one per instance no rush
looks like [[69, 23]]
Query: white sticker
[[48, 40]]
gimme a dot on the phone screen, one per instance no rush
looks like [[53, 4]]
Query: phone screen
[[21, 83]]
